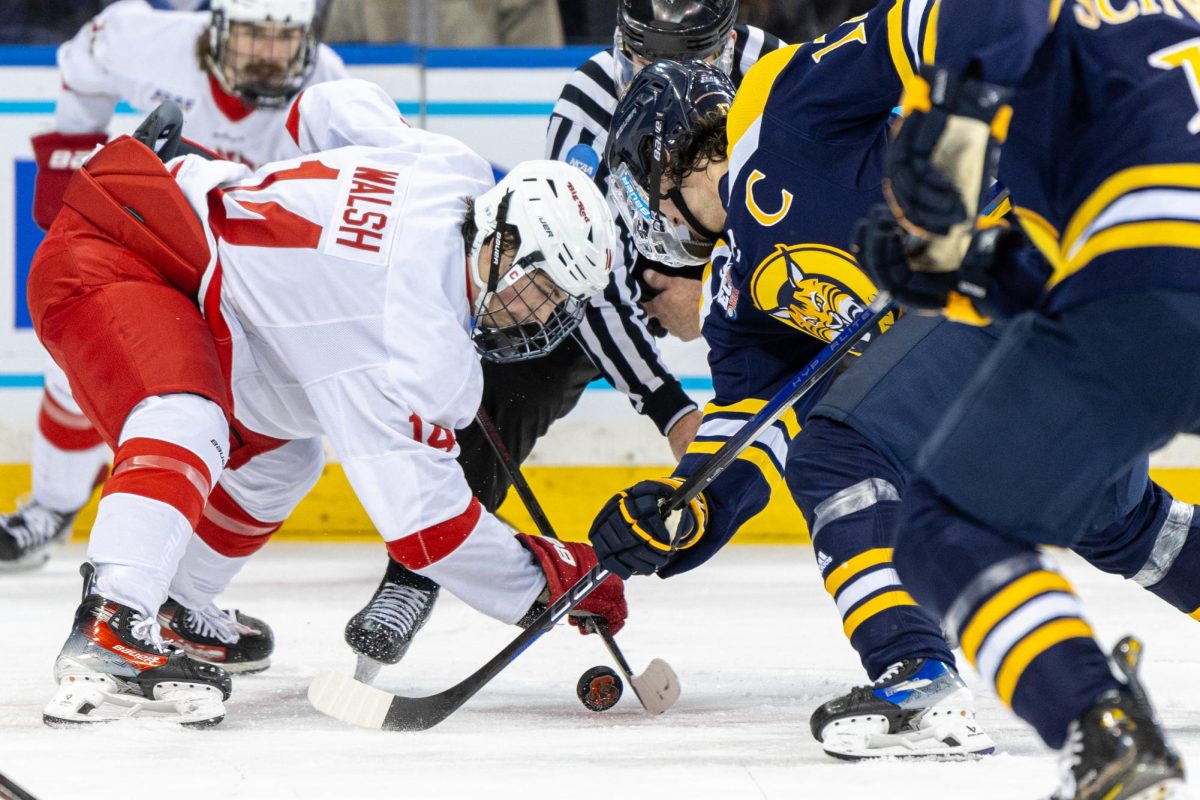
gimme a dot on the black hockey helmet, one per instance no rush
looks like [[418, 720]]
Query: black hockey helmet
[[675, 29], [664, 102]]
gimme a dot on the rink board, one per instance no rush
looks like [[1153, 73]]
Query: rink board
[[570, 495], [496, 100]]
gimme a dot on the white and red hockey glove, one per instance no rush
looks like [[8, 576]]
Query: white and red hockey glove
[[565, 563], [58, 156]]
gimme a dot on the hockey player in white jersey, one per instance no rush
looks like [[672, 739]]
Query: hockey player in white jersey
[[233, 72], [613, 341], [234, 317]]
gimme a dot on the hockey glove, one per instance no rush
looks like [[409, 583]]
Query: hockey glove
[[944, 156], [58, 156], [631, 536], [565, 563], [1003, 273], [883, 250], [1000, 275]]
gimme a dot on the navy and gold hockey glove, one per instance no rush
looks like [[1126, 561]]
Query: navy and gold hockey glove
[[943, 159], [632, 538], [1001, 274], [883, 249]]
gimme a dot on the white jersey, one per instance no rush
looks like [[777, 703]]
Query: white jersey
[[343, 283], [144, 56]]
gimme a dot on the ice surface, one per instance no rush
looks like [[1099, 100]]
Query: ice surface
[[755, 640]]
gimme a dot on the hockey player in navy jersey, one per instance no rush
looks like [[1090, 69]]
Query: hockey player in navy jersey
[[775, 221], [778, 205], [1094, 117]]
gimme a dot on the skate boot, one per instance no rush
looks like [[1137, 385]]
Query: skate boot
[[918, 707], [29, 535], [115, 665], [236, 642], [382, 631], [1116, 750]]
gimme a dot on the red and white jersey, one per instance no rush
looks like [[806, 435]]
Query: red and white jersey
[[342, 279], [141, 55]]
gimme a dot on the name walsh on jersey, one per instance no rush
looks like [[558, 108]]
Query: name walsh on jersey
[[364, 224]]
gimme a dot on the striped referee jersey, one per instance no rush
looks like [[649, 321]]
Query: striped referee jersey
[[613, 331]]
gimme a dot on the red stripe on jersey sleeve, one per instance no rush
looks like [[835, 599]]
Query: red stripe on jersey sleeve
[[431, 545]]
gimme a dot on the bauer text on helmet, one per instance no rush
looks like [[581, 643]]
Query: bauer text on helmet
[[262, 51], [557, 225]]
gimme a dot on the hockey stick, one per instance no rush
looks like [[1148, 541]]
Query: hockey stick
[[829, 357], [10, 791], [657, 688], [344, 698]]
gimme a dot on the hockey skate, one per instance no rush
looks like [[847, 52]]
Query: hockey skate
[[1116, 750], [382, 631], [917, 708], [30, 534], [115, 665], [236, 642]]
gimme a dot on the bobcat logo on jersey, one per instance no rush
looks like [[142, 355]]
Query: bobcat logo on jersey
[[814, 288]]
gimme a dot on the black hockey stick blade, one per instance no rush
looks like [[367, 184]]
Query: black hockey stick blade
[[341, 697], [10, 791]]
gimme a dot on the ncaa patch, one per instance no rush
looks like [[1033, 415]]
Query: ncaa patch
[[584, 158]]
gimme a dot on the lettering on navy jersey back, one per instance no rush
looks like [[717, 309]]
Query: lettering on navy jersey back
[[1091, 14], [364, 218]]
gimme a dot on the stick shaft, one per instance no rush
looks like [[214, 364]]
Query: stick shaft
[[513, 469], [787, 396]]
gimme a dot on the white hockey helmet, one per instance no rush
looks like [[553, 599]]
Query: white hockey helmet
[[266, 63], [564, 236]]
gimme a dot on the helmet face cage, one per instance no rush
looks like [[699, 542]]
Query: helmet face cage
[[263, 63], [679, 30], [511, 328], [520, 340], [624, 68], [656, 237]]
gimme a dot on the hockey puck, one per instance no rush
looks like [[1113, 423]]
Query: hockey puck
[[599, 688]]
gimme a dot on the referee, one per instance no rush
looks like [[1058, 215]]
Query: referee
[[614, 340]]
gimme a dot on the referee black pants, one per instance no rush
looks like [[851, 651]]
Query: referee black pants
[[523, 399]]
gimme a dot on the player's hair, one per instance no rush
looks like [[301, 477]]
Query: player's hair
[[512, 237], [704, 143]]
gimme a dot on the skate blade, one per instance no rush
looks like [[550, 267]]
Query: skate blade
[[366, 670], [342, 697], [956, 739], [82, 700], [657, 687]]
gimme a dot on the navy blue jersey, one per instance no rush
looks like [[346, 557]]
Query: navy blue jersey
[[807, 145], [1103, 154]]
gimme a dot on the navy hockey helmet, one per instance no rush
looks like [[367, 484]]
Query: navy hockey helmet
[[650, 30], [664, 102]]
